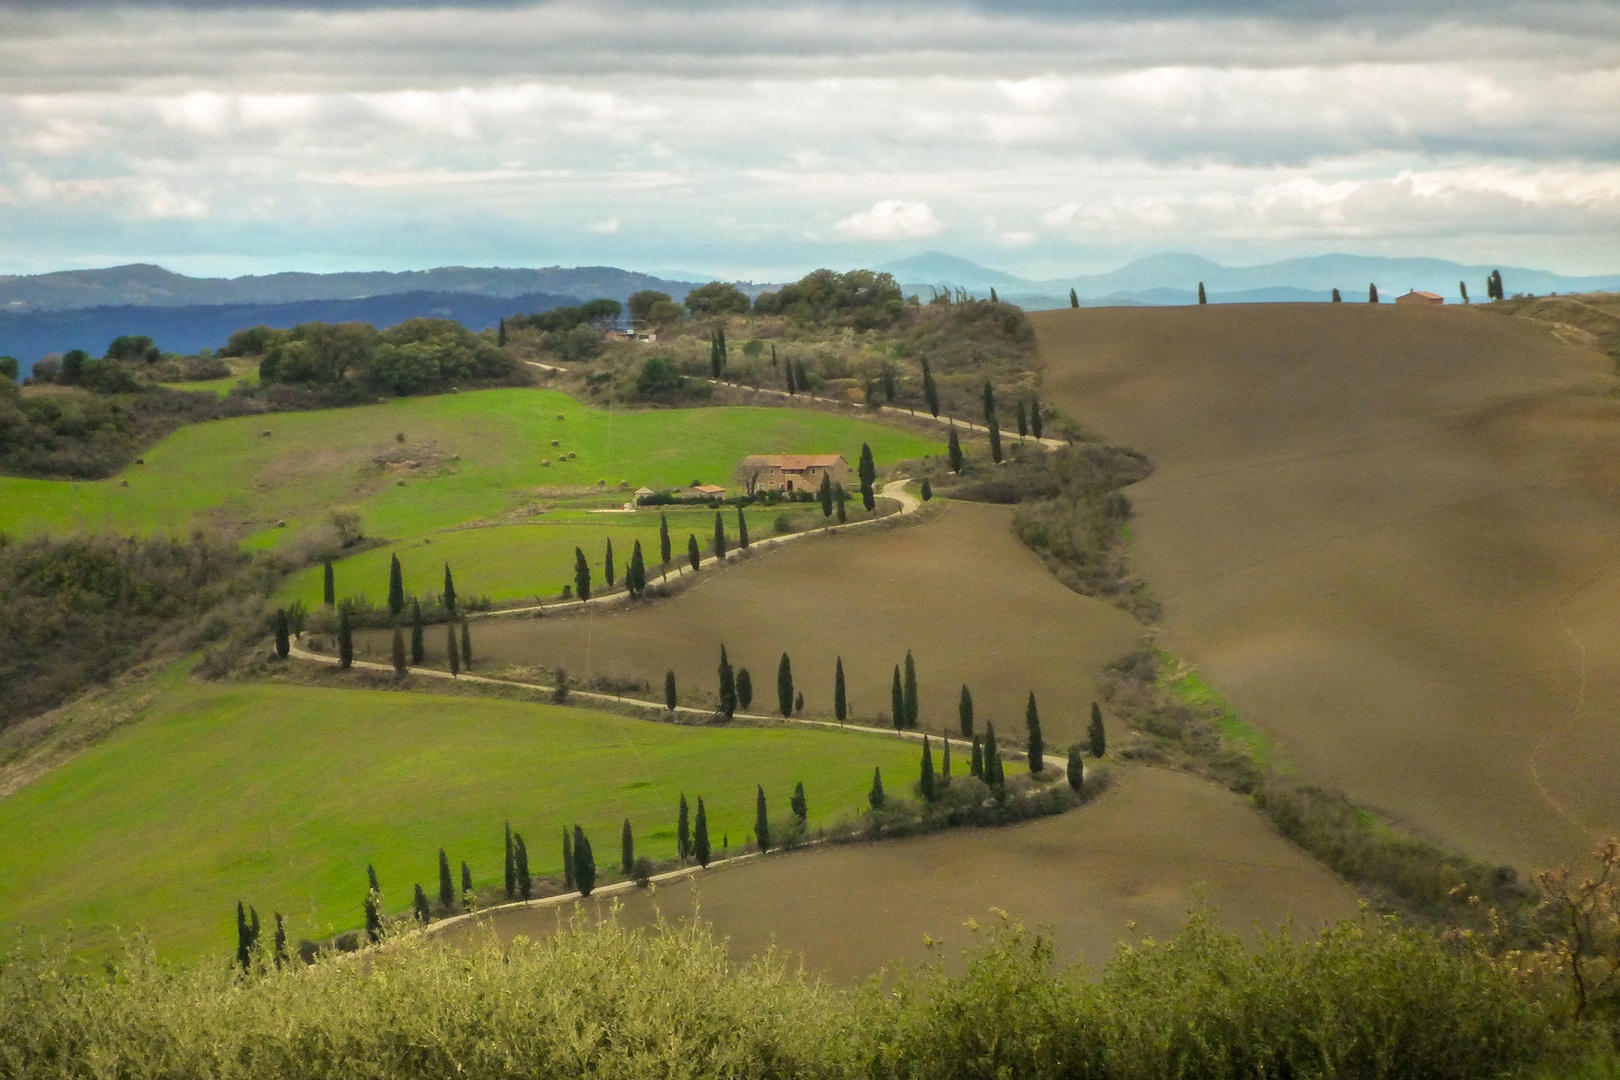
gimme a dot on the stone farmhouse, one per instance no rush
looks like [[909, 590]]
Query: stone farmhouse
[[791, 472], [1417, 297]]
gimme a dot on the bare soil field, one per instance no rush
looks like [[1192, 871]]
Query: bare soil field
[[1388, 536], [973, 604], [1145, 853]]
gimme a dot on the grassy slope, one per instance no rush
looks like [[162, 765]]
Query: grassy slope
[[484, 451], [282, 794]]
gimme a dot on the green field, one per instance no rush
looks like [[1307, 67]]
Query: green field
[[476, 456], [220, 386], [281, 794]]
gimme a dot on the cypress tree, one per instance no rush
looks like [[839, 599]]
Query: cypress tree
[[728, 685], [466, 885], [964, 712], [927, 490], [627, 850], [608, 573], [281, 938], [897, 700], [669, 690], [994, 774], [945, 763], [283, 634], [911, 690], [500, 334], [799, 805], [926, 784], [510, 864], [328, 584], [683, 831], [1202, 299], [716, 364], [841, 499], [693, 554], [345, 639], [568, 860], [1035, 416], [995, 440], [875, 796], [244, 938], [1337, 299], [635, 575], [953, 450], [840, 695], [798, 702], [447, 887], [700, 836], [1462, 287], [371, 879], [784, 686], [663, 539], [373, 919], [582, 575], [423, 914], [1074, 299], [466, 645], [745, 689], [418, 649], [993, 294], [1037, 745], [976, 763], [1023, 419], [449, 589], [825, 495], [398, 652], [1372, 294], [1096, 734], [989, 396], [762, 822], [800, 376], [792, 388], [1077, 768], [525, 880], [868, 474], [396, 587], [452, 651], [719, 536], [742, 529], [930, 391]]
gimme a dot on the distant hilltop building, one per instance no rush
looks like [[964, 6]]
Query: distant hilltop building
[[791, 472], [1416, 296]]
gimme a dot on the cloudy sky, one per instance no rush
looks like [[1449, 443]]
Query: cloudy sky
[[758, 140]]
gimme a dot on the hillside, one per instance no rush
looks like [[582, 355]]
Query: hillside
[[1386, 534]]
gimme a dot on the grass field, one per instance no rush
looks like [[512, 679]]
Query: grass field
[[417, 465], [281, 794], [221, 386], [1387, 537], [1130, 865]]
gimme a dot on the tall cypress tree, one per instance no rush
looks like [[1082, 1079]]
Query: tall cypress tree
[[244, 938], [500, 334], [1372, 294], [1077, 768], [875, 796], [328, 584], [824, 493], [397, 652], [840, 695], [466, 885], [964, 713], [989, 396], [1074, 299], [452, 650], [670, 700], [700, 836], [283, 634], [897, 700], [281, 937], [762, 822], [800, 375], [784, 686], [568, 859], [868, 475], [953, 451], [927, 489], [842, 500], [373, 919], [930, 391], [1037, 744], [466, 645], [683, 831], [1096, 734], [945, 763], [745, 689], [582, 575], [608, 572], [396, 587], [694, 554], [742, 529], [345, 639], [664, 553], [995, 440], [792, 386], [976, 762], [1337, 299], [449, 589], [418, 647], [1023, 419], [525, 880], [1035, 416], [447, 885], [994, 773], [911, 691], [419, 906], [627, 849], [728, 685], [800, 805], [635, 576], [371, 879], [719, 536], [510, 863], [926, 785], [1462, 287], [1202, 298]]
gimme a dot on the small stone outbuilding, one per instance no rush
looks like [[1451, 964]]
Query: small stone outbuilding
[[1417, 297]]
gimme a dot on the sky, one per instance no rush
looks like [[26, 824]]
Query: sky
[[758, 140]]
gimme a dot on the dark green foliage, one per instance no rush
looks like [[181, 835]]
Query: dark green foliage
[[1035, 416], [9, 368], [1077, 768], [683, 831], [345, 636], [500, 334], [694, 554], [993, 298], [1372, 294], [635, 576], [717, 355], [953, 451], [784, 686], [279, 952], [840, 694], [669, 690], [988, 395], [930, 391], [762, 821], [328, 584], [1493, 286], [627, 849], [727, 685], [859, 299], [868, 474], [801, 376], [1096, 734], [792, 384], [396, 587], [875, 797], [609, 574], [799, 805], [911, 691], [510, 863], [397, 652], [1337, 299], [717, 299], [452, 650], [416, 356], [1023, 420], [466, 645], [246, 936], [568, 858], [418, 647], [1462, 287], [927, 786], [995, 440], [964, 712], [798, 702], [419, 907], [842, 500], [994, 774], [701, 850], [1037, 744], [664, 553], [976, 763], [1074, 299], [371, 879], [927, 489], [449, 595], [582, 575], [447, 885], [719, 535], [945, 762], [745, 689], [466, 884], [824, 494], [283, 634], [1202, 297], [897, 700]]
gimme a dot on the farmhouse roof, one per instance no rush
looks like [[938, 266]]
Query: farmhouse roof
[[1425, 295], [794, 462], [708, 489], [645, 491]]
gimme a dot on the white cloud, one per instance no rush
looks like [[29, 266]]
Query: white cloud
[[605, 227], [891, 219]]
